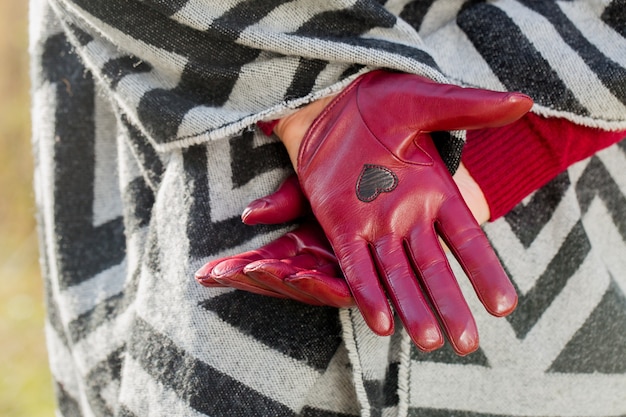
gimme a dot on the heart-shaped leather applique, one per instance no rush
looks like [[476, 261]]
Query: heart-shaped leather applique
[[375, 179]]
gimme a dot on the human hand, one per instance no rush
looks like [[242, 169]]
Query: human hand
[[263, 275], [383, 196], [307, 272]]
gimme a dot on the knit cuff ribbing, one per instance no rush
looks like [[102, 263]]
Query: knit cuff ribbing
[[508, 163]]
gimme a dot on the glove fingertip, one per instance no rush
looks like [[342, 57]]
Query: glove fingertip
[[286, 204], [208, 282], [227, 268], [204, 273], [378, 320], [253, 213], [517, 105], [521, 101], [505, 303]]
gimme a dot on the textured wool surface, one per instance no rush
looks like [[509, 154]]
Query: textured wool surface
[[146, 154]]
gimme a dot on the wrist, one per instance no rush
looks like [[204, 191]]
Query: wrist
[[472, 194], [292, 128]]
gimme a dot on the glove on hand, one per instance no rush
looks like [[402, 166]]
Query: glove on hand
[[382, 195], [299, 265]]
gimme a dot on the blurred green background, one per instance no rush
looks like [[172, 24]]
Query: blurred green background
[[25, 382]]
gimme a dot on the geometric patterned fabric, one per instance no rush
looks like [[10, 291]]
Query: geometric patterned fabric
[[145, 151]]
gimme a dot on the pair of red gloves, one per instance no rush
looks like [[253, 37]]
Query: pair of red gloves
[[381, 198]]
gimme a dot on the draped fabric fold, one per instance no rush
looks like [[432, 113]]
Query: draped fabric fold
[[146, 153]]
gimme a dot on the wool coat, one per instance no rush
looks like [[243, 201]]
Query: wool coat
[[146, 153]]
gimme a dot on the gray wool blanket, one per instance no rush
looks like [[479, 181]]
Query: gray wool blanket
[[146, 153]]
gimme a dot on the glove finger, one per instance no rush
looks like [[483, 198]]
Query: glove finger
[[473, 250], [227, 266], [230, 264], [429, 106], [456, 108], [439, 282], [290, 265], [287, 203], [209, 282], [406, 295], [295, 264], [358, 267], [203, 275], [284, 247], [306, 239], [329, 290], [270, 273], [317, 275], [229, 273]]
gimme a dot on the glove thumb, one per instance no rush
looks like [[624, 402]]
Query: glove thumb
[[286, 204]]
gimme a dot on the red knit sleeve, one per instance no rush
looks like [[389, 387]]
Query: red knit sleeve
[[510, 162]]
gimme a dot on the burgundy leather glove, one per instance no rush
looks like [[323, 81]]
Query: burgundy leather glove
[[299, 265], [382, 195]]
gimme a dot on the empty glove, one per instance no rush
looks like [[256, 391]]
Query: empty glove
[[383, 196], [299, 265]]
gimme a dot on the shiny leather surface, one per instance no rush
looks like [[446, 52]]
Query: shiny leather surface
[[299, 265], [383, 197]]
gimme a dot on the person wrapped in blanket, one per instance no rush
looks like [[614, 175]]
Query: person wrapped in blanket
[[452, 244], [302, 265]]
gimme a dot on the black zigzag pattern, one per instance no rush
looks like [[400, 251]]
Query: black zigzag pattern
[[103, 312], [513, 58], [167, 7], [433, 412], [346, 23], [614, 16], [384, 393], [598, 339], [316, 412], [138, 199], [84, 250], [272, 321], [118, 68], [610, 73], [195, 381], [68, 406], [211, 72], [100, 376], [565, 263], [527, 220], [81, 36], [447, 355], [147, 158], [305, 77], [596, 181], [248, 162], [205, 236], [414, 12]]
